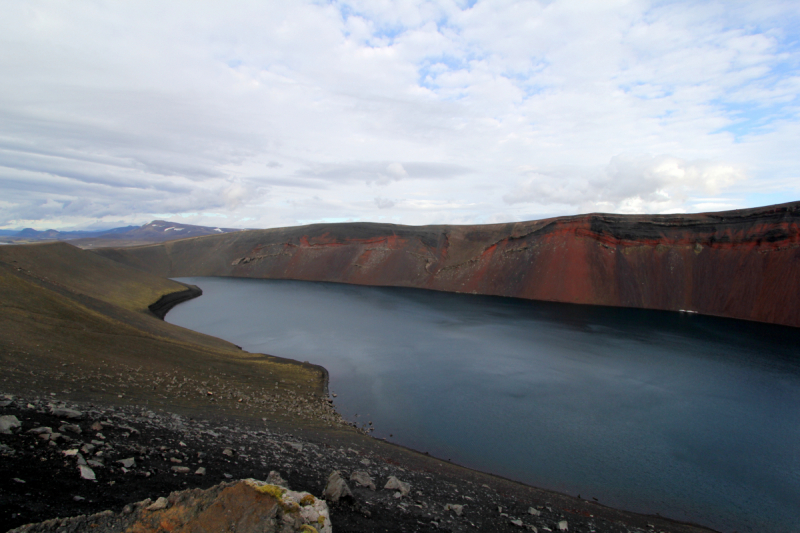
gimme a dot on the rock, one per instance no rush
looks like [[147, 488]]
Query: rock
[[63, 412], [97, 426], [517, 522], [274, 478], [228, 452], [8, 423], [18, 480], [458, 509], [160, 503], [247, 506], [180, 469], [200, 471], [362, 479], [130, 462], [40, 430], [87, 473], [534, 512], [70, 453], [395, 484], [70, 427], [336, 488], [294, 446], [562, 526]]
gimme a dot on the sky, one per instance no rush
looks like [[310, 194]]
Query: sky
[[266, 114]]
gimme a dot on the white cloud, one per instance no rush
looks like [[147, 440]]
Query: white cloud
[[113, 111], [628, 184]]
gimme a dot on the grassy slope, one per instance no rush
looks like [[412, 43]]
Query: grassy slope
[[66, 324]]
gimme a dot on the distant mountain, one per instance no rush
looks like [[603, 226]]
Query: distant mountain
[[161, 230], [155, 231]]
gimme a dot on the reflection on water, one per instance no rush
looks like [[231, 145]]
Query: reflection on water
[[693, 417]]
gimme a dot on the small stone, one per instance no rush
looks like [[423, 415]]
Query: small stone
[[159, 504], [18, 480], [200, 471], [78, 498], [228, 476], [180, 469], [97, 426], [71, 428], [395, 484], [40, 430], [534, 512], [517, 522], [87, 473], [130, 462], [70, 453], [63, 412], [175, 460], [365, 462], [362, 479], [458, 509], [228, 452], [274, 478], [562, 526], [294, 446], [336, 488], [8, 423]]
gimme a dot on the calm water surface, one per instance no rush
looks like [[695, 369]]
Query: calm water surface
[[696, 418]]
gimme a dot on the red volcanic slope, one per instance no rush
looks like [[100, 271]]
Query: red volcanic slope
[[741, 264]]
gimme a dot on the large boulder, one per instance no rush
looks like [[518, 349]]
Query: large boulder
[[246, 506]]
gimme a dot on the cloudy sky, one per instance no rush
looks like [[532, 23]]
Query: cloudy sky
[[265, 114]]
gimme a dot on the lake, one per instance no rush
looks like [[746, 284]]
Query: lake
[[693, 417]]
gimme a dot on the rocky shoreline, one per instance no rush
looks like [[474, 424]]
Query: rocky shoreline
[[66, 459]]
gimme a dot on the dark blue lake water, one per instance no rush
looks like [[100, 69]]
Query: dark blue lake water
[[696, 418]]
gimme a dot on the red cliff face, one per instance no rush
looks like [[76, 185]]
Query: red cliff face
[[741, 264]]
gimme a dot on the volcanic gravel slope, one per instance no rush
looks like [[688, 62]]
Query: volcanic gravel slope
[[136, 453]]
